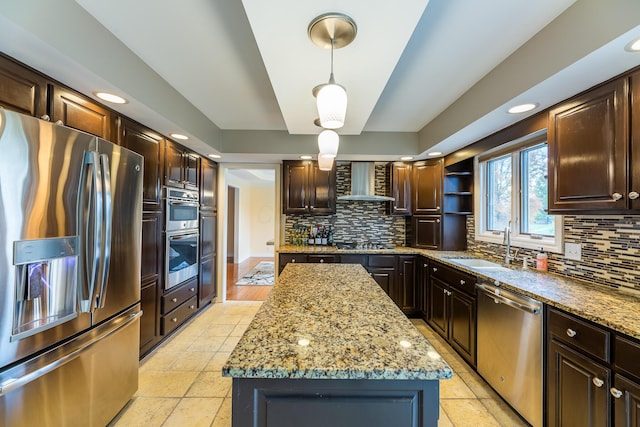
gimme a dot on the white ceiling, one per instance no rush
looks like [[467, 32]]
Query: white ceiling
[[421, 75]]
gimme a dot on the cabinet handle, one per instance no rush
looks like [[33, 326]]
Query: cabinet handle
[[435, 269], [321, 261], [615, 393], [174, 320], [597, 382], [616, 196], [425, 265], [437, 208], [633, 195], [192, 306], [174, 299], [437, 221], [311, 207], [571, 333], [462, 282], [192, 289], [306, 206]]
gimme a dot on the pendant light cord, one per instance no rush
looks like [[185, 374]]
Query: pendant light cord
[[331, 79]]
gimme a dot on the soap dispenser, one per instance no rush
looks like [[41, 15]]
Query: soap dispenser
[[542, 261]]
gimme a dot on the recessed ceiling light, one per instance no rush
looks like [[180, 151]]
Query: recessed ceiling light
[[306, 157], [522, 108], [634, 46], [406, 158], [109, 97], [434, 153], [179, 136], [215, 156]]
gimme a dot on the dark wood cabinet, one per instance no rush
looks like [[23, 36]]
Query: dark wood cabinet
[[427, 186], [423, 283], [208, 185], [382, 269], [626, 403], [178, 304], [149, 322], [284, 259], [207, 276], [148, 144], [82, 113], [321, 259], [426, 231], [634, 164], [151, 280], [400, 177], [181, 167], [306, 189], [408, 290], [588, 140], [21, 89], [452, 308]]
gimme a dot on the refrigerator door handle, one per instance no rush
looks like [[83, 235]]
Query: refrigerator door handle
[[107, 219], [88, 217], [31, 373]]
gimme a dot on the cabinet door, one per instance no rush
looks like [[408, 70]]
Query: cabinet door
[[462, 325], [588, 150], [401, 188], [191, 164], [626, 403], [423, 264], [427, 186], [634, 185], [207, 235], [438, 313], [427, 231], [208, 185], [173, 165], [21, 89], [322, 259], [577, 389], [207, 281], [284, 259], [407, 296], [149, 145], [385, 277], [152, 243], [294, 187], [81, 113], [150, 320], [322, 190]]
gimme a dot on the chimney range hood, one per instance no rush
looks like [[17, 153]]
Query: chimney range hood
[[363, 183]]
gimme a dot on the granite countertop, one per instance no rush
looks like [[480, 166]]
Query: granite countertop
[[608, 306], [332, 321]]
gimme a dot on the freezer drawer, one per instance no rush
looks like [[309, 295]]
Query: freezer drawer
[[92, 379]]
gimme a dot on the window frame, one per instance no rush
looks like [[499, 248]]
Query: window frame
[[518, 239]]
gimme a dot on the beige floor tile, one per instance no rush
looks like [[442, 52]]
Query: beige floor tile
[[503, 413], [146, 412], [165, 383], [223, 417], [478, 386], [456, 362], [229, 319], [229, 344], [239, 330], [216, 330], [159, 360], [444, 420], [207, 344], [192, 361], [455, 388], [210, 384], [217, 361], [177, 343], [468, 413], [194, 412]]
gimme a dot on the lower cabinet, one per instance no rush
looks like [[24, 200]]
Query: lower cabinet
[[284, 259], [382, 269], [423, 285], [407, 290], [178, 304], [321, 259], [626, 395], [149, 322]]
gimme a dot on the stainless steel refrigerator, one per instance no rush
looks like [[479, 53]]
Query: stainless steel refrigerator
[[70, 236]]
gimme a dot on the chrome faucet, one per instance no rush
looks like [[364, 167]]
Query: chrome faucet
[[507, 241]]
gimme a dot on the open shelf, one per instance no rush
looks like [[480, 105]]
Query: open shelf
[[458, 188]]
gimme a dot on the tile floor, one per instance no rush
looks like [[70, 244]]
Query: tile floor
[[180, 383]]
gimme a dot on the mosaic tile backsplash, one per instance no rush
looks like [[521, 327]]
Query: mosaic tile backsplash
[[357, 221], [610, 250]]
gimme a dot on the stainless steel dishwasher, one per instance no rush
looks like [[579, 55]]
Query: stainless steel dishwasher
[[510, 347]]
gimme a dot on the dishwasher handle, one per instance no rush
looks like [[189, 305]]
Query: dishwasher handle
[[506, 301]]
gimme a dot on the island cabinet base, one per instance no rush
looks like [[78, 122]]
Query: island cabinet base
[[337, 403]]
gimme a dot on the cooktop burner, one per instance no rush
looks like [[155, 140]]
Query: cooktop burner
[[363, 245]]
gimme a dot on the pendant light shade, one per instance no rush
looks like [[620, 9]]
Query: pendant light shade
[[332, 105], [325, 163], [328, 142]]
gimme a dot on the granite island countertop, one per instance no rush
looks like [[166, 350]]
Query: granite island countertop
[[332, 321], [608, 306]]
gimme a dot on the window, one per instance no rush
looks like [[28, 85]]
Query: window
[[511, 193]]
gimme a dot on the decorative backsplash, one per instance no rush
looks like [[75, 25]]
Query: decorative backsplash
[[357, 221], [610, 250]]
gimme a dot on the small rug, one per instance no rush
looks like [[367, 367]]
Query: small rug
[[261, 275]]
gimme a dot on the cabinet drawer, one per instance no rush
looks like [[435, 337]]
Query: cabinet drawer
[[284, 259], [179, 315], [353, 259], [176, 297], [627, 355], [454, 278], [580, 334], [322, 258], [382, 261]]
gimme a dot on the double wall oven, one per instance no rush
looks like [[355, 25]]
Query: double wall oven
[[181, 236]]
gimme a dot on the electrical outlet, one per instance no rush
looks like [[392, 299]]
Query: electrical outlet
[[573, 251]]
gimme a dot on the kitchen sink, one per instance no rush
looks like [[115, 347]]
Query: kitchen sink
[[478, 263]]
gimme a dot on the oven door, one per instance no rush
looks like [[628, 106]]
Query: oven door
[[181, 215], [181, 257]]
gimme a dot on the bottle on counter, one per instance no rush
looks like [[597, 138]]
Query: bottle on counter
[[311, 237], [325, 236], [542, 261], [330, 237]]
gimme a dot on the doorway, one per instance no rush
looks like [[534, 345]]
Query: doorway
[[232, 220]]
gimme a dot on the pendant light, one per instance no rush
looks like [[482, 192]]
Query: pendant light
[[325, 163], [331, 30], [328, 142]]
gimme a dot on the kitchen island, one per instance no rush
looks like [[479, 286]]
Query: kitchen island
[[329, 347]]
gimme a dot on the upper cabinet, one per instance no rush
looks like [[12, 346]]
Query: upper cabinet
[[589, 142], [634, 163], [208, 185], [306, 189], [401, 188], [22, 90], [82, 113], [180, 166], [427, 186], [148, 144]]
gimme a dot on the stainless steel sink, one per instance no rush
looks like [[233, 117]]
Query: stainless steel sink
[[477, 263]]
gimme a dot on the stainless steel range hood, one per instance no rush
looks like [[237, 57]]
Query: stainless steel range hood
[[363, 183]]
